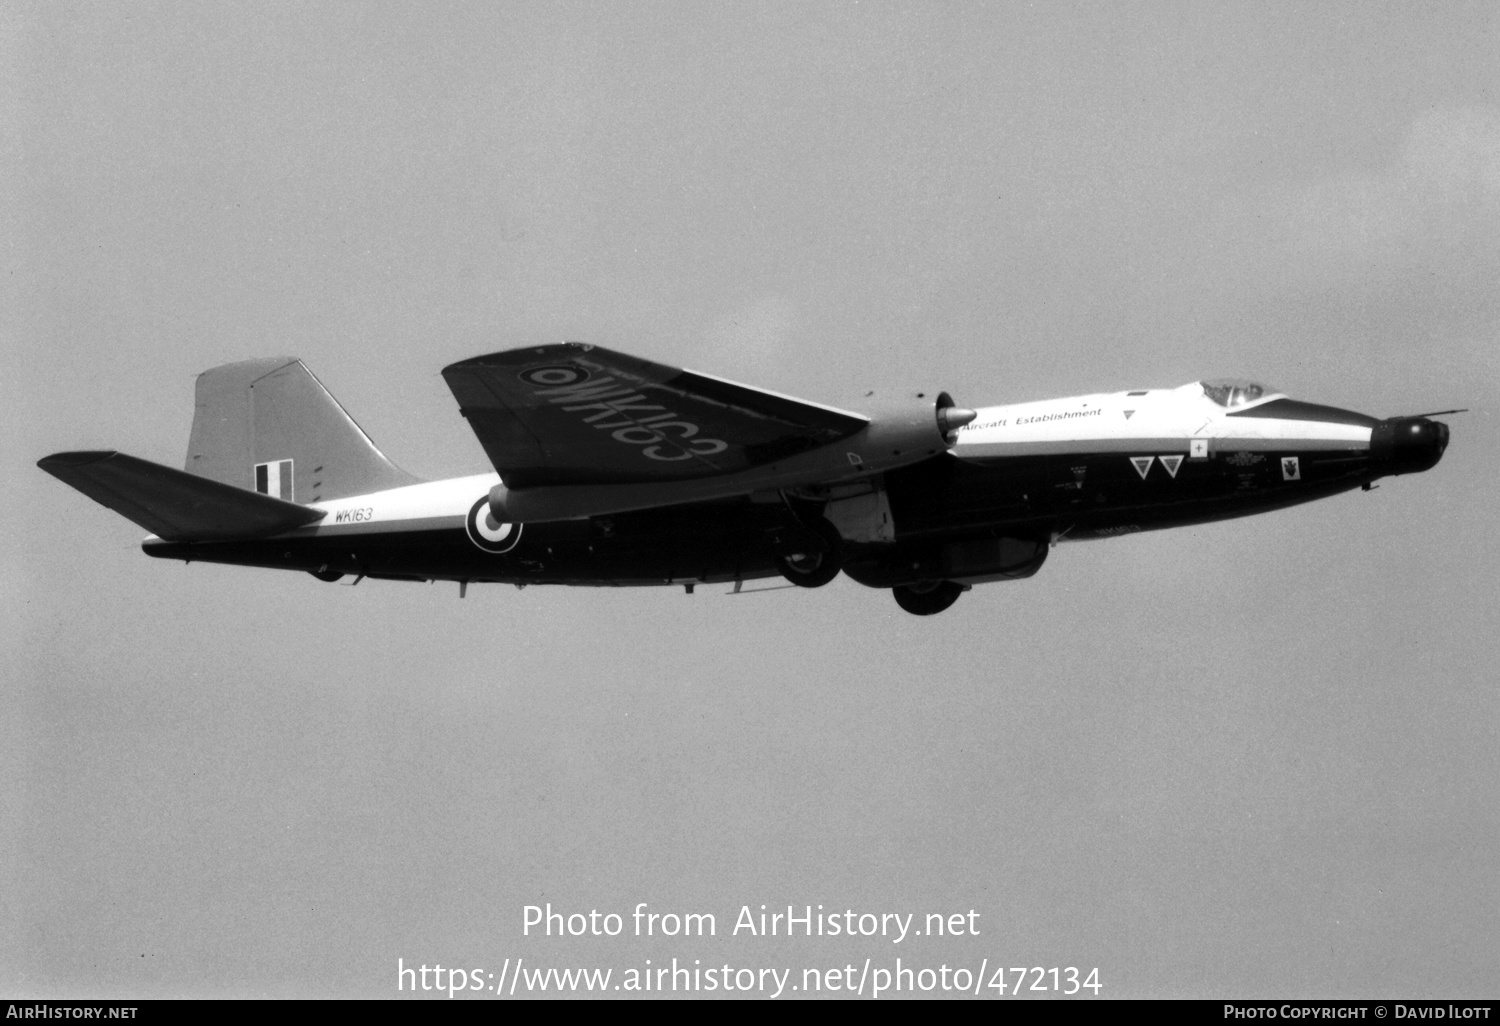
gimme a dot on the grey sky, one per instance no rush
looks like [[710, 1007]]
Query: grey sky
[[1258, 757]]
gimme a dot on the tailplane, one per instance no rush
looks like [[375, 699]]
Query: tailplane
[[172, 504], [269, 426]]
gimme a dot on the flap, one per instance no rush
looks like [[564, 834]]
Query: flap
[[574, 414]]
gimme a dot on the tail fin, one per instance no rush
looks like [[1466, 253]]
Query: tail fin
[[269, 426], [172, 504]]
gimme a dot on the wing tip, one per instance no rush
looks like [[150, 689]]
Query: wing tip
[[79, 458]]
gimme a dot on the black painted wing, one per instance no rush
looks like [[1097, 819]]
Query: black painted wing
[[572, 414]]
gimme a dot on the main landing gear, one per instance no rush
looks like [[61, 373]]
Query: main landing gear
[[812, 556], [927, 597]]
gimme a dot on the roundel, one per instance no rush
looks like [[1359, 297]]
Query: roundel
[[487, 532], [554, 376]]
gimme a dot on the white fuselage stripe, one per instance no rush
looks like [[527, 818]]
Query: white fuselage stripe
[[430, 506]]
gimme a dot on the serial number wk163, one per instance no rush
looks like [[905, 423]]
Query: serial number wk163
[[794, 922]]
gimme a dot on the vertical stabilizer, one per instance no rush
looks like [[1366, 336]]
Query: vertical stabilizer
[[269, 426]]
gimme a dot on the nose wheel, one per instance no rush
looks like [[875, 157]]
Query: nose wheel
[[927, 597]]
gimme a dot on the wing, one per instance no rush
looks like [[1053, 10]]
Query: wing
[[574, 414]]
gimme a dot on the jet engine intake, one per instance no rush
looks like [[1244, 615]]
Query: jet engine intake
[[925, 427]]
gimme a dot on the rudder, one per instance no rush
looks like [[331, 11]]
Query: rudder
[[270, 426]]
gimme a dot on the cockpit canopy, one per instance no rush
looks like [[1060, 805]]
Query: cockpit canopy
[[1235, 392]]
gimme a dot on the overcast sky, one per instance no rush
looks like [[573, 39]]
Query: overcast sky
[[1252, 758]]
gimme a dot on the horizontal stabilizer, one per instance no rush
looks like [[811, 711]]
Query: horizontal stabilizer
[[172, 504]]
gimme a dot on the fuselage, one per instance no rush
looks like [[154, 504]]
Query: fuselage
[[1016, 479]]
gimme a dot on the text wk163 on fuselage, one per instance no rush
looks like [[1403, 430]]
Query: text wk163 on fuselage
[[613, 470]]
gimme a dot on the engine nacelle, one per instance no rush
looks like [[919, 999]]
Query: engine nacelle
[[904, 432]]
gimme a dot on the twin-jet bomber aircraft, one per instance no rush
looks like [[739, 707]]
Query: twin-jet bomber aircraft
[[613, 470]]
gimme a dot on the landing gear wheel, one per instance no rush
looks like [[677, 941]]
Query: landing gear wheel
[[815, 557], [810, 569], [326, 575], [928, 597]]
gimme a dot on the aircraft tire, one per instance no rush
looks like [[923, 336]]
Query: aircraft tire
[[819, 564], [326, 575], [926, 599]]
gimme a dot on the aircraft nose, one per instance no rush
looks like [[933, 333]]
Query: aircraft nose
[[1407, 445]]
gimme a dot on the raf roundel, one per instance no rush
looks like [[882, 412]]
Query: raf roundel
[[554, 376], [488, 533]]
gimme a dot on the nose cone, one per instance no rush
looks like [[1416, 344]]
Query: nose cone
[[1407, 445]]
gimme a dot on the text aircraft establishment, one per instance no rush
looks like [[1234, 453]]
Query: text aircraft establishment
[[613, 470]]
